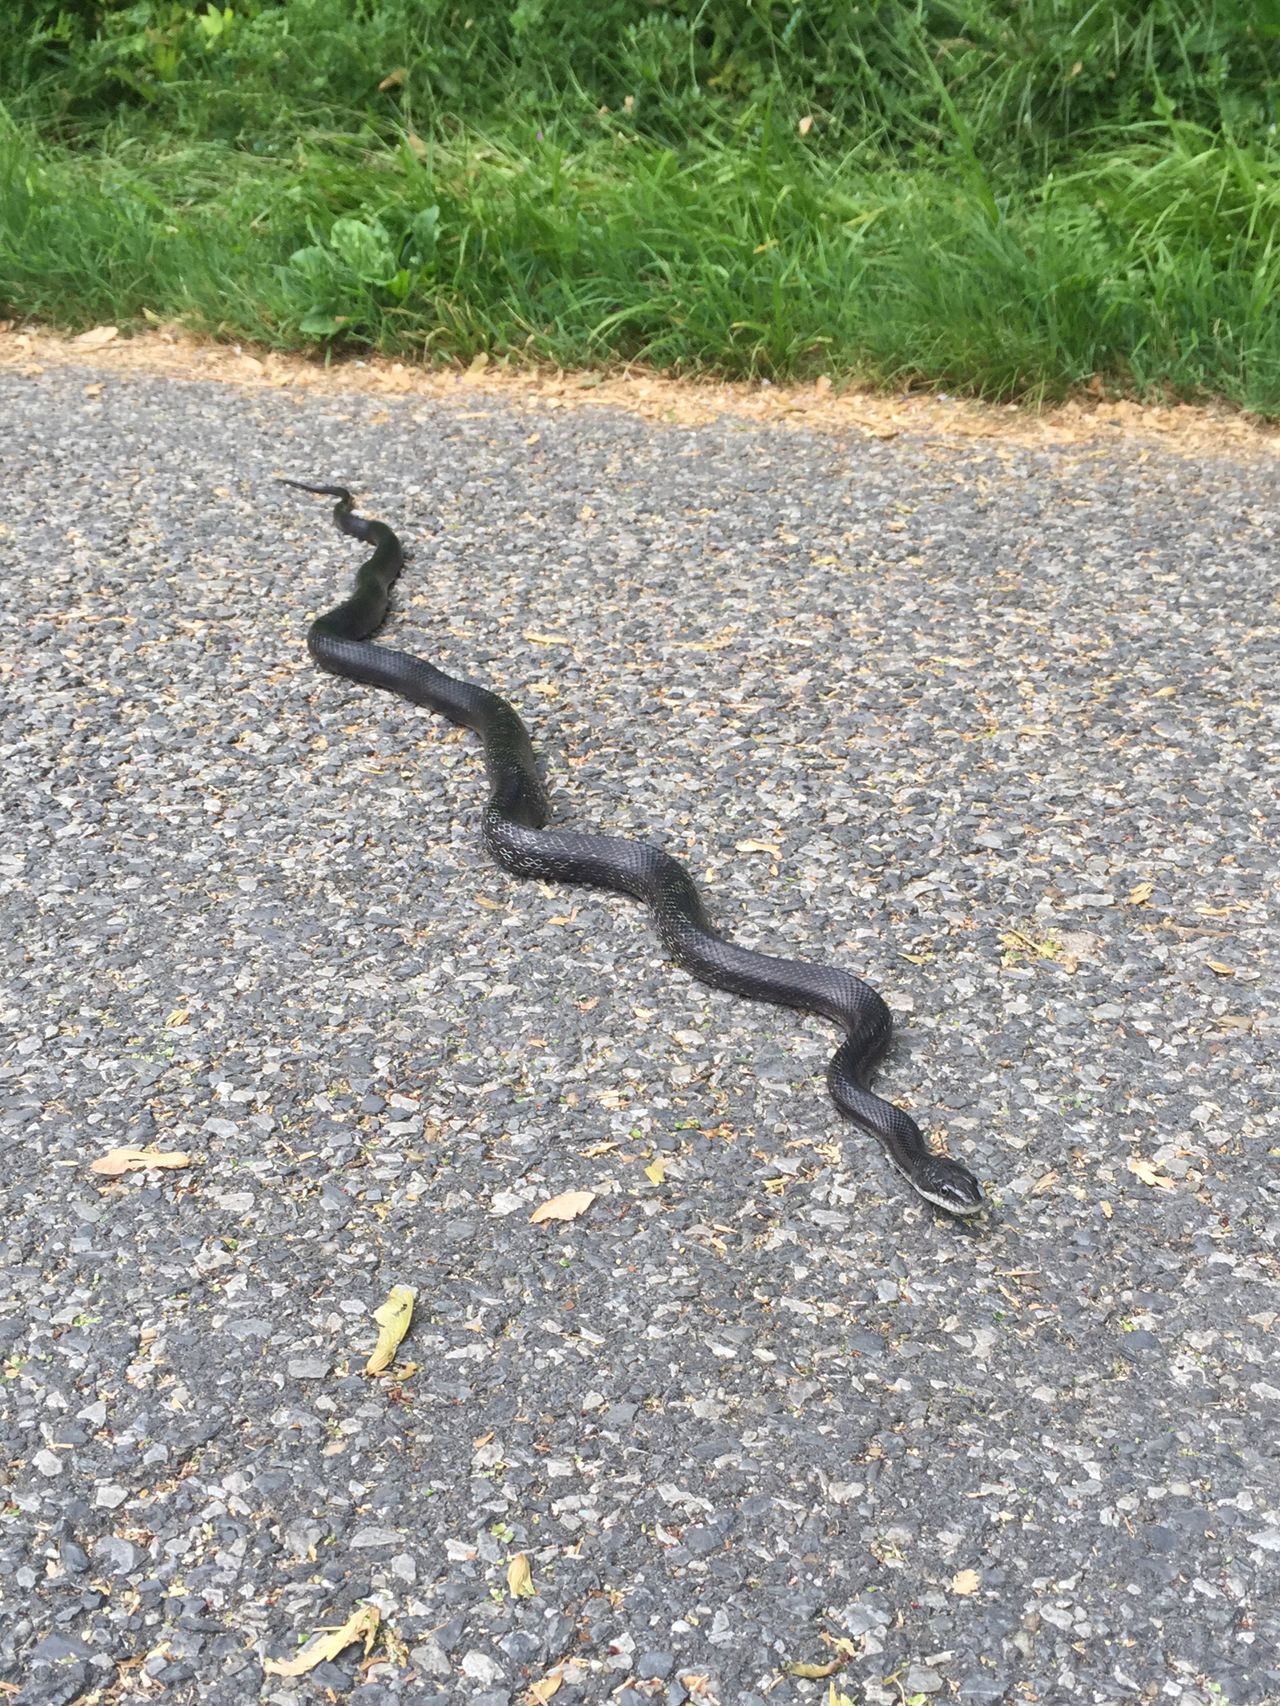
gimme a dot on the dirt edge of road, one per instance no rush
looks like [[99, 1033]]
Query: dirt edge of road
[[170, 352]]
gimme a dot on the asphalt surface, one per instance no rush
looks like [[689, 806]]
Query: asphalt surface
[[995, 727]]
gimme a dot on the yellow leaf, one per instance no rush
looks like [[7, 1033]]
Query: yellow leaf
[[362, 1625], [520, 1578], [393, 1318], [1143, 892], [804, 127], [489, 905], [544, 1688], [760, 847], [540, 639], [97, 337], [656, 1171], [1146, 1172], [1044, 1183], [416, 144], [394, 79], [813, 1671], [179, 1016], [1107, 1210], [965, 1582], [128, 1160], [567, 1206], [1221, 970]]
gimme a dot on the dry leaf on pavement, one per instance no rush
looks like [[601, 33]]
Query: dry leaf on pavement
[[362, 1625], [1146, 1172], [393, 1318], [127, 1159], [567, 1206]]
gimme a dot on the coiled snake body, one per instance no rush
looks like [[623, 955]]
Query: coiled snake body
[[514, 828]]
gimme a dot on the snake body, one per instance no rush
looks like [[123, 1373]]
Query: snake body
[[514, 830]]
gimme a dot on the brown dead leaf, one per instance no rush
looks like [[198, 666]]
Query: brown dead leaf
[[567, 1206], [965, 1582], [1146, 1172], [1107, 1210], [126, 1159], [97, 337], [362, 1625], [393, 1318], [520, 1578], [415, 144], [394, 79], [544, 1688], [1044, 1183]]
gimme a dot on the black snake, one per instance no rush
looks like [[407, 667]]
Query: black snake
[[514, 830]]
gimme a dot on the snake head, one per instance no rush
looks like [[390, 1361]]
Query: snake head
[[948, 1185]]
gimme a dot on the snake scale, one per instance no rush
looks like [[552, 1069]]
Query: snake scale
[[514, 829]]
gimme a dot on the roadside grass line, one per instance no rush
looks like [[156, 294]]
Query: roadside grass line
[[1153, 264]]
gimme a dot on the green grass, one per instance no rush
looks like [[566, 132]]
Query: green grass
[[960, 212]]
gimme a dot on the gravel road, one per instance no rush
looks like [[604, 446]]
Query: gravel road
[[995, 726]]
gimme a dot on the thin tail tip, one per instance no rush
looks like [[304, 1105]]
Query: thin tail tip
[[339, 492]]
